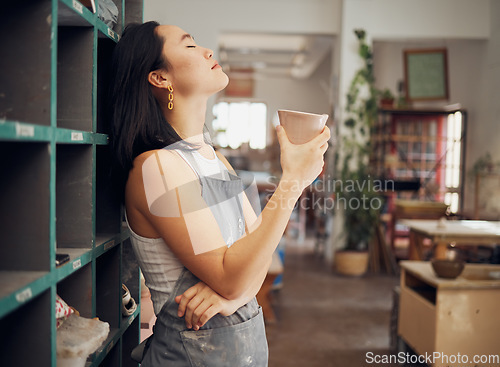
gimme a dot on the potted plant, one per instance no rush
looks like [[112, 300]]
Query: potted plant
[[483, 165], [386, 98], [356, 193]]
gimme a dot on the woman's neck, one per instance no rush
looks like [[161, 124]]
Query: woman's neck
[[187, 117]]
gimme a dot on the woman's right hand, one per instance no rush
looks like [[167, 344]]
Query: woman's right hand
[[301, 164], [200, 303]]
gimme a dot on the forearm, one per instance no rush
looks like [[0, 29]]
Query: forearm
[[253, 288], [247, 257]]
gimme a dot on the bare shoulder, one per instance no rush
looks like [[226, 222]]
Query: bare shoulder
[[154, 168], [167, 162]]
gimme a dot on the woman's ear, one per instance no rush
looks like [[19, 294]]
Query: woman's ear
[[157, 79]]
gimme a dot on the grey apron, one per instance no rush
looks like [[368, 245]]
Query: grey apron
[[238, 340]]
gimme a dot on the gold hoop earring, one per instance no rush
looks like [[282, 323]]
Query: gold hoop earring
[[170, 97]]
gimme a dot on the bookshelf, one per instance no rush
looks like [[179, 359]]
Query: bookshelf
[[55, 191], [420, 155], [423, 150]]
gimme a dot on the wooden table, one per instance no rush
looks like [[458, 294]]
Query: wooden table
[[443, 233], [413, 209]]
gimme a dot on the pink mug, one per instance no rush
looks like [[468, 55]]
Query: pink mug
[[301, 127]]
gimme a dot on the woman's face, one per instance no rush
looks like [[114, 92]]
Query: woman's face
[[192, 69]]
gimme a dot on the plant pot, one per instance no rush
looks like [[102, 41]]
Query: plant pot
[[387, 103], [352, 263]]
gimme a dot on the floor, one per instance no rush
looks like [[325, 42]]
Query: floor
[[328, 320], [323, 320]]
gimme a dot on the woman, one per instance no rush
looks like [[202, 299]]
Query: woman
[[202, 249]]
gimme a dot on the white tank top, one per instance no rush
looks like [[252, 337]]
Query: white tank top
[[160, 266]]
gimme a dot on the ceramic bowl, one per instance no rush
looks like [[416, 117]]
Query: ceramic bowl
[[449, 269]]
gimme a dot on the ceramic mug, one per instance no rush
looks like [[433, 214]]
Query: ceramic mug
[[301, 127]]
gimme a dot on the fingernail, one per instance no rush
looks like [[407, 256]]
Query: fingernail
[[179, 313]]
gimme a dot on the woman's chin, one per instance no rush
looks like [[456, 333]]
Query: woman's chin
[[223, 85]]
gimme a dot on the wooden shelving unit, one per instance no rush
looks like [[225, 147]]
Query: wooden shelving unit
[[426, 147], [55, 189]]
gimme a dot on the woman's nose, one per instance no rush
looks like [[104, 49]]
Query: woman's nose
[[209, 53]]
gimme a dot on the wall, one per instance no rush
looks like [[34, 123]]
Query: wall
[[407, 20], [309, 95], [207, 19], [484, 129]]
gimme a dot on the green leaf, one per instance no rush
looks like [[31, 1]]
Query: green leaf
[[350, 123], [360, 33]]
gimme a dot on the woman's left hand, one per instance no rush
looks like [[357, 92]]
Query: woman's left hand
[[200, 303]]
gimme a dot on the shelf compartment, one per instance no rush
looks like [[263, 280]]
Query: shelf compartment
[[112, 342], [78, 257], [134, 10], [25, 132], [76, 290], [108, 353], [130, 273], [74, 196], [25, 200], [108, 287], [25, 339], [74, 136], [69, 136], [130, 339], [19, 287], [119, 22], [105, 47], [105, 242], [21, 131], [74, 13], [74, 77], [106, 32], [108, 205], [421, 288], [25, 65]]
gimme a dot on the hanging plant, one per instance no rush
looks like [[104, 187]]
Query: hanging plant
[[361, 113]]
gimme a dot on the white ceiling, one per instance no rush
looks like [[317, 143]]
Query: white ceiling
[[295, 56]]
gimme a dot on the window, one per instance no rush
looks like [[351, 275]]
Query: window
[[453, 160], [236, 123]]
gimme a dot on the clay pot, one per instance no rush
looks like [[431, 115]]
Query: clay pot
[[351, 263]]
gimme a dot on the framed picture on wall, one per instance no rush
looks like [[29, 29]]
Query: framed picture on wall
[[426, 74]]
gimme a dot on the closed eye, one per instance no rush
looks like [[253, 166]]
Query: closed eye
[[191, 46]]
